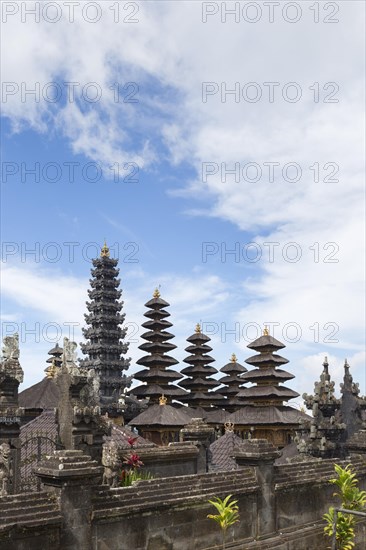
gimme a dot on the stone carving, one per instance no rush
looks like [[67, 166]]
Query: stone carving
[[111, 463], [69, 354], [11, 347], [89, 395], [5, 468], [10, 366], [81, 425], [334, 420]]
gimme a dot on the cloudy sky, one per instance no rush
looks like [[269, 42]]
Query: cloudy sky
[[217, 147]]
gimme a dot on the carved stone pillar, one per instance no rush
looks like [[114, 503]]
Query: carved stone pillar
[[72, 475], [199, 433], [80, 423], [261, 454], [11, 375]]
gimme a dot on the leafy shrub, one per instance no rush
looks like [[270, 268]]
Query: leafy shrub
[[351, 498], [228, 514]]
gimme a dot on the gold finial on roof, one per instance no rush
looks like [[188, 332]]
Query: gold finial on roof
[[229, 427], [198, 328], [105, 251], [156, 293], [51, 370], [266, 331], [162, 400], [233, 358]]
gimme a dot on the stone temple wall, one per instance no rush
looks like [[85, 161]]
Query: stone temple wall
[[76, 512]]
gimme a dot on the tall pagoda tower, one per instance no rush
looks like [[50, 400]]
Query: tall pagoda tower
[[157, 376], [199, 382], [104, 334], [232, 381], [266, 377]]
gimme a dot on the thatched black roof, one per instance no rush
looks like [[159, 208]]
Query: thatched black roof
[[250, 415], [162, 415], [43, 395]]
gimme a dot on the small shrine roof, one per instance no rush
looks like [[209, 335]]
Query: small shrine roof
[[161, 415]]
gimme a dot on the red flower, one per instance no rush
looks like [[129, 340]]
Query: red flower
[[131, 441], [134, 460]]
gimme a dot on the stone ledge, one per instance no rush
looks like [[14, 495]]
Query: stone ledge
[[67, 465]]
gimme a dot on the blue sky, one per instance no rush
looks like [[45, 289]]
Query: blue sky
[[182, 132]]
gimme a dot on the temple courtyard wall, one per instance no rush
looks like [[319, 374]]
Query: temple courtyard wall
[[281, 508]]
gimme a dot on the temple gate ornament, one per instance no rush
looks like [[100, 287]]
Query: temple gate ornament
[[6, 472], [111, 463]]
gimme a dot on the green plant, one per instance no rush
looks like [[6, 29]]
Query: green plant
[[352, 498], [127, 477], [228, 514]]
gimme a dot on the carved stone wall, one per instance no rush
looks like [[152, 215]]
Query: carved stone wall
[[171, 513]]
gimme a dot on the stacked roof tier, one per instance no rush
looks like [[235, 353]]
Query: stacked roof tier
[[55, 361], [199, 382], [233, 383], [157, 377], [104, 334], [266, 376], [56, 356]]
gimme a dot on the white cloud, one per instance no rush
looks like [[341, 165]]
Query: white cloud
[[52, 306], [172, 47]]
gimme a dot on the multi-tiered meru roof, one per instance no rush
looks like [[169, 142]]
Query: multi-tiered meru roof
[[233, 383], [104, 334], [267, 377], [199, 382], [157, 376]]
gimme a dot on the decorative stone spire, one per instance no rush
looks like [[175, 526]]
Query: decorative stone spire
[[105, 346], [267, 377], [325, 427], [352, 404], [199, 382], [157, 376]]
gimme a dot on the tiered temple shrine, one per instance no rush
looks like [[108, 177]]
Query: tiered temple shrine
[[55, 360], [268, 379], [199, 383], [264, 414], [233, 383], [157, 376], [105, 347]]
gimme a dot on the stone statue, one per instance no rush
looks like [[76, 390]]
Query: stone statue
[[111, 463], [11, 347], [69, 353], [5, 468], [10, 366]]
